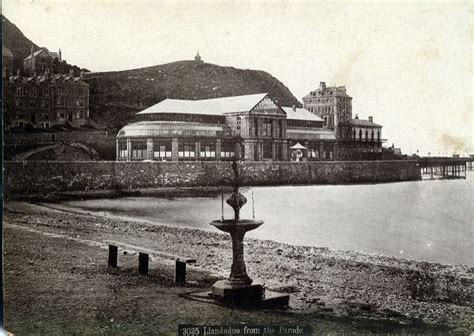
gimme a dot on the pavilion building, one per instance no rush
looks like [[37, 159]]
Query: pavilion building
[[254, 125]]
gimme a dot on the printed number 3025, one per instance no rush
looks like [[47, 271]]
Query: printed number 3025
[[190, 331]]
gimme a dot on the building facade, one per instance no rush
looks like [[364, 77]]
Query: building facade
[[44, 101], [43, 61], [251, 127], [334, 106], [43, 96]]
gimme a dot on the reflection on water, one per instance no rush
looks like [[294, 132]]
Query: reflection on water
[[423, 220]]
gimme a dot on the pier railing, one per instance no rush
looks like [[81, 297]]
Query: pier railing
[[445, 167]]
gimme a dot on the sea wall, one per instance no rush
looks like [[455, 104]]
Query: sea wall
[[32, 177]]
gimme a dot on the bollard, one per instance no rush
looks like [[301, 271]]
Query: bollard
[[113, 253], [180, 274], [143, 259]]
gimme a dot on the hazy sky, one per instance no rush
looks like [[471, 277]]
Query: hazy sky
[[409, 65]]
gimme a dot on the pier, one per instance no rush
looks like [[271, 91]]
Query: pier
[[445, 167]]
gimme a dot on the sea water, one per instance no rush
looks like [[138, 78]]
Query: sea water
[[422, 220]]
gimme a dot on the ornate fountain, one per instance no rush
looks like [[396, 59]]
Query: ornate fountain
[[239, 288]]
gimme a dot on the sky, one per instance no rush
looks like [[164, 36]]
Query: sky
[[407, 64]]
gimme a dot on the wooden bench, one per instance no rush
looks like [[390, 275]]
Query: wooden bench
[[144, 260]]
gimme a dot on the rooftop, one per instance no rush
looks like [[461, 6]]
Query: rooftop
[[37, 53], [362, 122], [56, 78], [214, 106], [300, 114]]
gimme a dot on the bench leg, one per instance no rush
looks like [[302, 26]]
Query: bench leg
[[113, 255], [143, 259], [180, 274]]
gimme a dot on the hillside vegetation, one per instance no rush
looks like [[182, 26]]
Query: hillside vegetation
[[115, 97]]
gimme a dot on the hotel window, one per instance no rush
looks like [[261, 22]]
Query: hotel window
[[186, 150], [138, 150], [267, 127], [162, 150], [227, 150], [208, 149], [267, 150], [378, 135], [122, 150]]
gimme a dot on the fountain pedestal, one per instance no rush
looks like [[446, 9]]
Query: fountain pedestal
[[238, 287]]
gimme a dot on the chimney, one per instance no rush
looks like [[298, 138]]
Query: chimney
[[294, 108], [356, 117], [371, 119], [343, 88], [60, 57], [322, 86]]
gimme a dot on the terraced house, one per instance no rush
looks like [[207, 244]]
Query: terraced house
[[251, 127], [41, 96]]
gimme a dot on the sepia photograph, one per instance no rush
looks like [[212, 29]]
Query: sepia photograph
[[239, 167]]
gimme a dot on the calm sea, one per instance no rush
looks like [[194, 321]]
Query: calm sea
[[424, 220]]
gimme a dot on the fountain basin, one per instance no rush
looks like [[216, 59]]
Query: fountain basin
[[231, 225]]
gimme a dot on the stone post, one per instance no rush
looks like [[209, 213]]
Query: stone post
[[143, 262], [113, 255]]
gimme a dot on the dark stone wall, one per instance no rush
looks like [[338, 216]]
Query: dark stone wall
[[32, 177]]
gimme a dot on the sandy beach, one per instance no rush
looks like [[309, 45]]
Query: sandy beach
[[57, 282]]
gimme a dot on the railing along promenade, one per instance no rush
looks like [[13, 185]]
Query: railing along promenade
[[445, 167]]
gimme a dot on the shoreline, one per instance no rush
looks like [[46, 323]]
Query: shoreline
[[320, 280], [106, 215]]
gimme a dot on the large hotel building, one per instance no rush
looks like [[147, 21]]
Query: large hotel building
[[357, 139]]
